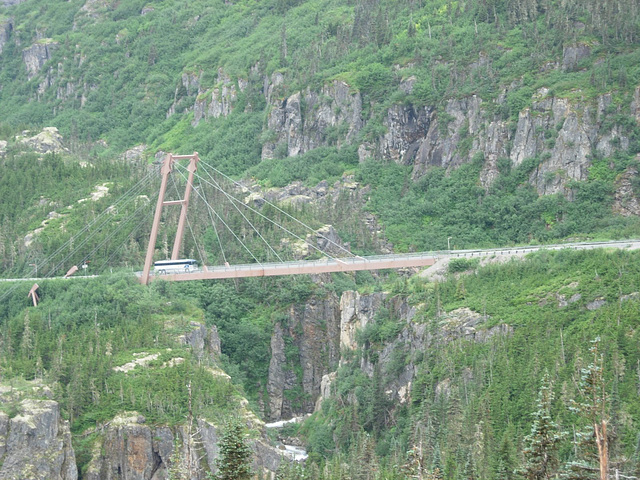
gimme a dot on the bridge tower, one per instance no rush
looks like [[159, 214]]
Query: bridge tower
[[167, 168]]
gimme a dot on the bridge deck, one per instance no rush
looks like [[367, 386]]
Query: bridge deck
[[306, 267], [378, 262]]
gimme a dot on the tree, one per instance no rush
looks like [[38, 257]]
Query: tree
[[177, 470], [592, 442], [235, 454], [541, 454]]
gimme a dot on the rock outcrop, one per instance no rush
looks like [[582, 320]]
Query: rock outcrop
[[307, 120], [357, 311], [47, 141], [626, 201], [561, 133], [36, 443], [309, 338], [35, 56], [129, 449], [6, 27], [218, 101], [204, 342]]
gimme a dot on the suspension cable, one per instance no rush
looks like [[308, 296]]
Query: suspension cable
[[278, 225], [279, 209], [113, 254], [83, 242], [246, 219], [215, 229], [228, 227]]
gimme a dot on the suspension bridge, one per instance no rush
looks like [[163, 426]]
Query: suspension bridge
[[197, 177]]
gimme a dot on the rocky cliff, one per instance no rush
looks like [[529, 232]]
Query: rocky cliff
[[35, 441], [562, 133], [129, 449], [304, 348], [6, 26]]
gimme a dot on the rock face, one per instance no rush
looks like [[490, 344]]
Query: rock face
[[47, 141], [204, 341], [626, 202], [219, 100], [128, 449], [6, 27], [309, 338], [561, 133], [306, 348], [35, 56], [307, 120], [573, 54], [357, 311], [36, 443]]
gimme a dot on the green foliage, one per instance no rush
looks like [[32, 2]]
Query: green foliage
[[421, 216], [234, 462], [323, 163], [457, 265], [546, 302], [82, 330], [374, 80]]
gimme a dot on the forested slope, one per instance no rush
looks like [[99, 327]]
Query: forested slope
[[540, 97], [406, 125]]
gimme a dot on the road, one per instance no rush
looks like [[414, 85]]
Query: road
[[351, 264]]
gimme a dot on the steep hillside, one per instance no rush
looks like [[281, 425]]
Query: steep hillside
[[310, 90], [385, 125]]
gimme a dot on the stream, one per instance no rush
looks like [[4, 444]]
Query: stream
[[293, 452]]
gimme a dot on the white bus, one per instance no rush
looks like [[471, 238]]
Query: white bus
[[166, 267]]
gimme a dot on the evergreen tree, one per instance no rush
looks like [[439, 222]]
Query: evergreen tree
[[235, 454], [592, 442], [541, 454], [176, 470], [506, 467], [470, 472], [365, 461]]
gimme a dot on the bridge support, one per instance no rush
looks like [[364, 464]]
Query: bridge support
[[167, 168]]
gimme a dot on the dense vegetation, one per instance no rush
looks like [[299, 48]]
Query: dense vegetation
[[127, 73], [474, 402]]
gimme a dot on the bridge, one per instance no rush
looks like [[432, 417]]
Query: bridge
[[330, 261]]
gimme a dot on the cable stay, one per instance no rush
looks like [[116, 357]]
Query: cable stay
[[271, 204], [228, 197], [257, 212]]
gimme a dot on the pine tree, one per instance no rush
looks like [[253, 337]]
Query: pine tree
[[592, 442], [506, 458], [235, 454], [365, 461], [176, 470], [541, 454]]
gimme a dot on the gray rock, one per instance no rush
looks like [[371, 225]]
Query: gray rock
[[202, 340], [35, 56], [6, 27], [47, 141], [307, 120], [626, 202], [573, 54], [314, 329], [596, 304], [37, 443]]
